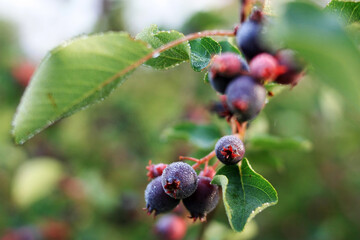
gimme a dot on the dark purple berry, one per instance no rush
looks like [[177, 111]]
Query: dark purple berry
[[203, 200], [157, 200], [293, 70], [249, 36], [179, 180], [245, 98], [229, 150], [170, 227], [225, 68]]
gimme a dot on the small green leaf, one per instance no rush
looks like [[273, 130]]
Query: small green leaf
[[202, 136], [156, 39], [268, 142], [245, 193], [228, 47], [73, 76], [323, 43], [348, 11], [202, 50]]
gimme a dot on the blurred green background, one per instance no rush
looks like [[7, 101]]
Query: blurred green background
[[84, 177]]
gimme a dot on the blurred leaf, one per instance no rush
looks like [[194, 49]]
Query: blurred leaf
[[202, 50], [203, 136], [269, 142], [245, 193], [346, 10], [220, 231], [74, 76], [156, 39], [35, 179], [320, 39], [228, 47]]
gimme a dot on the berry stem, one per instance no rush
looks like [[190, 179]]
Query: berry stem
[[205, 159]]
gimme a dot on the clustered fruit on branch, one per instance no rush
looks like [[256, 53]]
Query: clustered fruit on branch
[[240, 84]]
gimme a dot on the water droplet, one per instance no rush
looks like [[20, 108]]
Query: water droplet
[[155, 55]]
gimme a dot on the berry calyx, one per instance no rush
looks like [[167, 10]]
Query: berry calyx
[[204, 199], [179, 180], [155, 170], [245, 98], [224, 69], [157, 200], [170, 227], [229, 150]]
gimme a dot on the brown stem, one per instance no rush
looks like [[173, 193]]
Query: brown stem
[[204, 159]]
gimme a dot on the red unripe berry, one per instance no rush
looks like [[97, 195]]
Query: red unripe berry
[[170, 227], [155, 170], [293, 70], [265, 67], [23, 72]]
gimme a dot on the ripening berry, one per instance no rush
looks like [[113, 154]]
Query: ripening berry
[[293, 70], [249, 36], [229, 150], [157, 200], [155, 170], [179, 180], [170, 227], [264, 67], [208, 172], [224, 68], [203, 200], [245, 98]]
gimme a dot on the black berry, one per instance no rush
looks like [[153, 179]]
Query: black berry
[[225, 68], [203, 200], [245, 98], [157, 200], [179, 180], [249, 36], [171, 227], [229, 150], [293, 70]]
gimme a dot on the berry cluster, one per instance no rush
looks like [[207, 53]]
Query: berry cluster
[[178, 181], [240, 83], [243, 84]]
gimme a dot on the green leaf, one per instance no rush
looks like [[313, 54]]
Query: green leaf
[[202, 136], [348, 11], [206, 77], [268, 142], [73, 76], [228, 47], [202, 50], [245, 193], [156, 39], [320, 39]]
